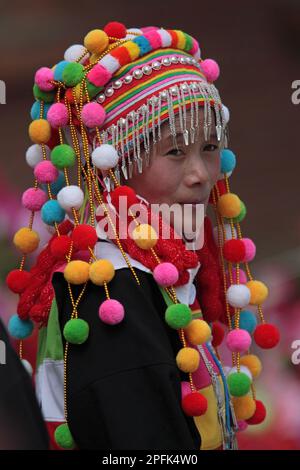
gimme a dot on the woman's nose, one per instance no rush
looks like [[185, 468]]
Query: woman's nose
[[197, 171]]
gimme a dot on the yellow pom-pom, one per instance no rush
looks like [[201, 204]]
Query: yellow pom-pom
[[39, 131], [188, 359], [26, 240], [229, 205], [96, 41], [198, 332], [77, 272], [101, 271], [253, 363], [145, 236], [133, 49], [259, 292], [244, 407]]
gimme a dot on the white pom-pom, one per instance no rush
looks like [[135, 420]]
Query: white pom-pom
[[226, 113], [238, 295], [27, 366], [70, 197], [166, 38], [34, 154], [243, 369], [74, 52], [110, 63], [133, 30], [105, 157], [228, 234]]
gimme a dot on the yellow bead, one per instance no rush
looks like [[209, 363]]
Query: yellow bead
[[145, 236], [26, 240], [96, 41], [253, 363], [244, 407], [39, 131], [101, 271], [188, 359], [198, 332], [229, 205], [77, 272], [259, 292], [77, 90]]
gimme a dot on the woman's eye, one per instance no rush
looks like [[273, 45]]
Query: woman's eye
[[176, 152], [210, 148]]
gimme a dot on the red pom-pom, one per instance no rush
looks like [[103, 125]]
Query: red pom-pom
[[60, 246], [218, 334], [65, 227], [121, 54], [259, 415], [234, 251], [124, 191], [194, 404], [115, 29], [84, 236], [266, 336], [17, 281]]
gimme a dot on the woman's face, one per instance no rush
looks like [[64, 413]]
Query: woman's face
[[185, 175]]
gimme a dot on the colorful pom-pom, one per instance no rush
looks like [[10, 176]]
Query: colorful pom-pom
[[240, 217], [259, 415], [26, 240], [19, 329], [99, 75], [185, 388], [242, 426], [144, 236], [60, 246], [188, 359], [234, 276], [58, 115], [228, 161], [70, 197], [52, 213], [96, 41], [17, 280], [166, 274], [198, 332], [253, 363], [77, 272], [242, 369], [58, 70], [62, 156], [238, 295], [266, 336], [178, 316], [74, 52], [211, 69], [45, 96], [63, 437], [194, 404], [123, 192], [76, 331], [43, 78], [45, 172], [39, 131], [111, 312], [238, 340], [248, 321], [115, 29], [239, 384], [234, 251], [229, 205], [72, 74], [57, 185], [105, 157], [218, 334], [34, 154], [35, 112], [101, 271], [33, 199], [93, 115], [244, 407], [84, 236], [250, 250], [259, 292]]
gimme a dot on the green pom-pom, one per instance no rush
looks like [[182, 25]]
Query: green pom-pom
[[188, 42], [92, 89], [241, 215], [47, 96], [63, 437], [62, 156], [178, 316], [73, 73], [239, 384], [76, 331]]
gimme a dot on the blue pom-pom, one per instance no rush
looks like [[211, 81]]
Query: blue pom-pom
[[58, 184], [248, 321], [18, 328], [36, 108], [228, 161], [143, 44], [58, 71], [52, 212]]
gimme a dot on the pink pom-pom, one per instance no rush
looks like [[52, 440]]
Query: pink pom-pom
[[210, 69], [111, 312], [93, 115], [242, 426], [58, 115], [243, 277], [238, 340], [43, 79], [46, 172], [99, 75], [34, 199], [166, 274], [250, 249], [185, 389]]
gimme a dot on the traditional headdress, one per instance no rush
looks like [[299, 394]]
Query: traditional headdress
[[101, 108]]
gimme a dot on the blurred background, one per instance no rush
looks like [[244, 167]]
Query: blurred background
[[257, 47]]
